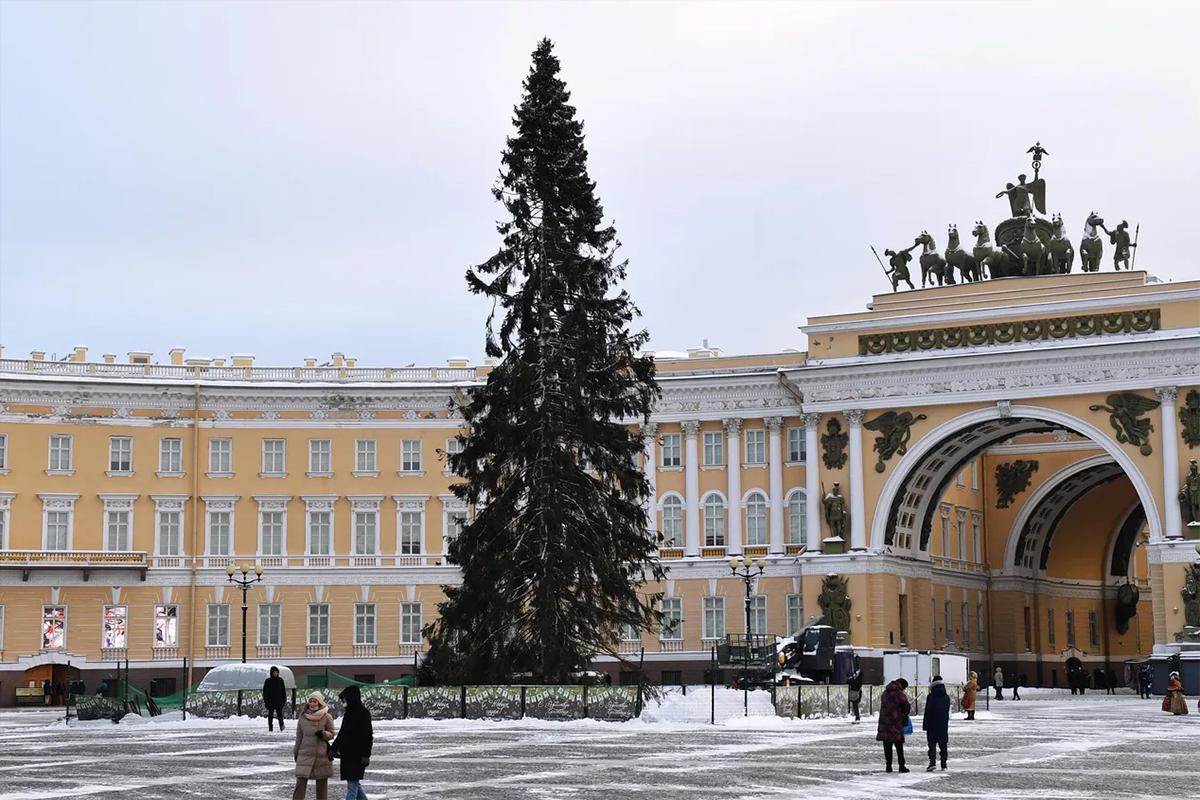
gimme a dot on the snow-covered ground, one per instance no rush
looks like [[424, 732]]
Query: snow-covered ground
[[1055, 746]]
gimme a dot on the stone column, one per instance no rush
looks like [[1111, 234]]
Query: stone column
[[858, 512], [775, 483], [691, 483], [733, 475], [812, 482], [1170, 453], [650, 467]]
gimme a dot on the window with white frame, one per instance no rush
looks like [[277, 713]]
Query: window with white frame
[[962, 536], [976, 549], [269, 618], [166, 626], [409, 533], [797, 508], [671, 628], [218, 625], [672, 522], [220, 456], [318, 624], [364, 456], [758, 615], [795, 441], [756, 446], [454, 446], [795, 614], [714, 618], [672, 452], [364, 623], [116, 530], [1070, 615], [170, 532], [60, 453], [366, 529], [320, 457], [975, 475], [714, 448], [756, 519], [274, 456], [949, 610], [966, 623], [410, 623], [3, 526], [630, 632], [220, 533], [455, 522], [120, 455], [410, 455], [320, 532], [3, 452], [714, 521], [115, 632], [54, 627], [946, 531], [170, 456], [58, 530], [958, 479], [271, 529]]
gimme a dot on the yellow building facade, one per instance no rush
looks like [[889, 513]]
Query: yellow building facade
[[128, 489]]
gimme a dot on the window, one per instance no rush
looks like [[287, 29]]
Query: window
[[795, 439], [966, 623], [979, 623], [114, 635], [756, 446], [949, 608], [797, 508], [630, 632], [274, 456], [364, 456], [410, 623], [320, 532], [756, 519], [3, 533], [58, 530], [271, 532], [672, 522], [976, 542], [758, 615], [318, 624], [714, 617], [364, 623], [975, 475], [269, 618], [671, 451], [410, 533], [795, 614], [220, 456], [1093, 629], [320, 457], [365, 527], [453, 447], [1050, 625], [672, 619], [166, 626], [116, 531], [1070, 628], [220, 533], [170, 456], [946, 531], [410, 455], [170, 526], [714, 521], [218, 625], [3, 451], [60, 454], [962, 536], [958, 479], [455, 522], [120, 454], [714, 448], [54, 627]]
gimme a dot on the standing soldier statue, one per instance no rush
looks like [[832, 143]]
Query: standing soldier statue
[[899, 271], [835, 511], [1121, 244], [1189, 497]]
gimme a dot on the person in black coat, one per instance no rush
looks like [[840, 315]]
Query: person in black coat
[[936, 722], [353, 742], [274, 697], [854, 692]]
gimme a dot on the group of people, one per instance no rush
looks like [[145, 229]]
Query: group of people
[[895, 722], [55, 693]]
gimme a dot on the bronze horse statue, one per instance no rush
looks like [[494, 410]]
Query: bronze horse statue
[[1033, 252], [1062, 252], [957, 258], [933, 266], [1091, 248], [997, 262]]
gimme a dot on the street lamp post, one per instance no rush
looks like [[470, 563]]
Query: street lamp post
[[747, 569], [244, 583]]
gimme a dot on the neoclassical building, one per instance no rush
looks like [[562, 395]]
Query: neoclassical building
[[1009, 456]]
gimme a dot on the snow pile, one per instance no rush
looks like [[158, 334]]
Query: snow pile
[[698, 705]]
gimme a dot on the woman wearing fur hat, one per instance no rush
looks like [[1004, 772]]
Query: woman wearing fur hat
[[314, 732]]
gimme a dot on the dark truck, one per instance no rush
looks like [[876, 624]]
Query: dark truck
[[809, 655], [762, 661]]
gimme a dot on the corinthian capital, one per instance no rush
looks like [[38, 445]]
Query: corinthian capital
[[650, 430], [812, 420], [733, 425], [774, 424], [854, 416], [691, 428], [1166, 394]]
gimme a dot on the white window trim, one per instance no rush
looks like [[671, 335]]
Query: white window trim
[[421, 619], [662, 465], [801, 497], [316, 473], [4, 464], [328, 624], [70, 470], [746, 462], [273, 504], [719, 441], [215, 474], [119, 473], [662, 520], [704, 637], [5, 525], [112, 503], [318, 504], [263, 460], [420, 470], [374, 624], [704, 518], [169, 503], [57, 501], [163, 473], [446, 471], [220, 504], [678, 637], [258, 635], [178, 626], [208, 624], [766, 517], [410, 503], [366, 473], [366, 504], [787, 436], [66, 627]]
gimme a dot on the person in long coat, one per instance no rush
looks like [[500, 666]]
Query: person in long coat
[[353, 742], [854, 692], [274, 698], [893, 718], [314, 732], [969, 690], [998, 682], [1174, 701], [936, 722]]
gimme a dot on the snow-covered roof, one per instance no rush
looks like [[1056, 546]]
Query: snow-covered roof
[[232, 677]]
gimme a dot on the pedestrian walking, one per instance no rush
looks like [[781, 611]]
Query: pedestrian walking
[[45, 693], [969, 690], [936, 722], [893, 720], [1112, 681], [854, 692], [998, 680], [1145, 679], [1018, 682], [1173, 701], [353, 742], [314, 732], [274, 697]]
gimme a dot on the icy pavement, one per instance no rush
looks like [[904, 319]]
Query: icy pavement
[[1044, 749]]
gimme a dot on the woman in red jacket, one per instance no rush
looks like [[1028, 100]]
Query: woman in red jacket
[[893, 718]]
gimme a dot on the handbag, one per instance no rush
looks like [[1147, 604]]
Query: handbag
[[908, 728], [1166, 706]]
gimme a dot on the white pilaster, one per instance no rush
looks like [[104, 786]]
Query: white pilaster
[[775, 482], [691, 488], [733, 474], [812, 482], [858, 508], [1173, 524], [650, 467]]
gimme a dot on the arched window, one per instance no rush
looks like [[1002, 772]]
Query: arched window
[[756, 519], [797, 532], [714, 521], [672, 522]]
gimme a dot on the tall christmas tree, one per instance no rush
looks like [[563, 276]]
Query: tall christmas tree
[[555, 557]]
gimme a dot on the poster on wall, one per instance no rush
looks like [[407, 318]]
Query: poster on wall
[[54, 627], [166, 626], [114, 627]]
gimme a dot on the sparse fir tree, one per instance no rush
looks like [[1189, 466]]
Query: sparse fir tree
[[554, 560]]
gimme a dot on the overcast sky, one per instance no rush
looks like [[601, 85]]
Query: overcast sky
[[293, 179]]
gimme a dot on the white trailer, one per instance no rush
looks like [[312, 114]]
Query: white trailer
[[919, 666]]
